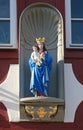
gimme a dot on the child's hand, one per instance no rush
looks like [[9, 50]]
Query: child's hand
[[34, 60]]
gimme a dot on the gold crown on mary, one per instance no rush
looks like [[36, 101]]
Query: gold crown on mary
[[40, 39]]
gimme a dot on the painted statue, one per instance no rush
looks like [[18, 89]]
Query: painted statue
[[40, 64]]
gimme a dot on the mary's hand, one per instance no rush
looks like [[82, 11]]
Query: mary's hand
[[42, 56]]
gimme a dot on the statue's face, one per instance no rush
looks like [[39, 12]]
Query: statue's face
[[40, 45], [34, 48]]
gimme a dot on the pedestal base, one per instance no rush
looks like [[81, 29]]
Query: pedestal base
[[42, 109]]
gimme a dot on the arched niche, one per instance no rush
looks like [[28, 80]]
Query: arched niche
[[42, 20]]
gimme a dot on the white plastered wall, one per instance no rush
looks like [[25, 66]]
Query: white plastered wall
[[73, 93], [9, 93]]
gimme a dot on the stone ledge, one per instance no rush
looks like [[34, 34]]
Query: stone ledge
[[42, 109]]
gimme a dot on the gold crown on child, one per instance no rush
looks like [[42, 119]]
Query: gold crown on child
[[41, 40]]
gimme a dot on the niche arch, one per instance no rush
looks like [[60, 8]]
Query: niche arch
[[42, 20]]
